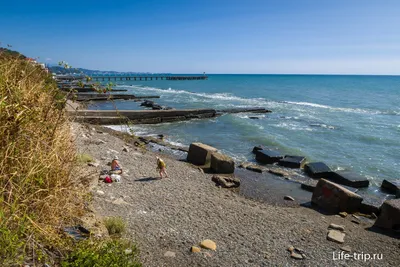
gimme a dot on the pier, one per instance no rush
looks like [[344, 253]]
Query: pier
[[106, 97], [126, 77]]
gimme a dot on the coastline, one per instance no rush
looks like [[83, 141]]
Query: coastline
[[176, 213]]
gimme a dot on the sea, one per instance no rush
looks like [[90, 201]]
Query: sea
[[348, 122]]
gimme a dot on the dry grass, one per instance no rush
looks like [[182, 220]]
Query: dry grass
[[36, 159]]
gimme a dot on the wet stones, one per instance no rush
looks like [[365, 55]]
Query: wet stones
[[200, 154], [292, 162], [392, 187], [389, 218], [221, 163], [226, 182], [317, 170], [335, 198], [268, 156], [348, 178]]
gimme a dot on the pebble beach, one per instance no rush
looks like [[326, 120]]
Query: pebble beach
[[166, 217]]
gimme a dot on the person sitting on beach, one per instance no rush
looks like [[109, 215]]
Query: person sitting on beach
[[161, 167], [115, 167]]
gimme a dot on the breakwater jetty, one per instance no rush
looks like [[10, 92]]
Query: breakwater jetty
[[152, 116]]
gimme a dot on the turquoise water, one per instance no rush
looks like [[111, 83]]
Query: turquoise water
[[348, 122]]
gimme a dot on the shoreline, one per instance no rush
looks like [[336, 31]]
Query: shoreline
[[176, 213]]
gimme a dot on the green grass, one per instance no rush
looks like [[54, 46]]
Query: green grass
[[84, 158], [115, 225], [111, 253]]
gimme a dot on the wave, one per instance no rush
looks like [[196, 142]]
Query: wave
[[349, 110], [262, 101]]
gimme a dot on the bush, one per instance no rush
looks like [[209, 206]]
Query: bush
[[115, 225], [84, 158], [36, 160], [112, 253]]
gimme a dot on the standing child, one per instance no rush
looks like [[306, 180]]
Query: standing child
[[161, 167]]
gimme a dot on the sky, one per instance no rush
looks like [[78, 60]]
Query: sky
[[212, 36]]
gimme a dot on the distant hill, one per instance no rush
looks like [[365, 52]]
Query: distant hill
[[62, 70], [12, 53]]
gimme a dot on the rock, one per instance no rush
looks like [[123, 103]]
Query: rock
[[296, 256], [389, 218], [103, 158], [169, 254], [336, 227], [254, 118], [393, 187], [128, 251], [348, 178], [125, 149], [373, 216], [288, 198], [195, 249], [279, 172], [208, 244], [317, 170], [99, 142], [120, 201], [255, 168], [292, 161], [335, 198], [369, 207], [346, 248], [257, 148], [268, 156], [244, 165], [160, 136], [226, 182], [355, 221], [343, 214], [309, 185], [100, 193], [336, 236], [147, 103], [93, 164], [291, 248], [221, 163], [200, 154]]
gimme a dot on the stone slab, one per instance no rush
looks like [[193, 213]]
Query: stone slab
[[221, 163], [393, 187], [348, 178], [200, 154], [268, 156], [292, 161], [335, 198], [317, 170], [389, 218]]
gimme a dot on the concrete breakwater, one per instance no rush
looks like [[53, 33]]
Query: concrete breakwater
[[105, 97], [151, 116]]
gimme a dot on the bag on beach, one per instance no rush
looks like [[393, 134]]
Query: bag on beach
[[108, 180]]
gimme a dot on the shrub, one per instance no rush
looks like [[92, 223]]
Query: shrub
[[36, 160], [111, 253], [84, 158], [115, 225]]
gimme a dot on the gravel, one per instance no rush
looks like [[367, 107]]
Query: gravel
[[168, 216]]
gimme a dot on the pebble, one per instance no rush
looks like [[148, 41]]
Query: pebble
[[119, 201], [195, 249], [343, 214], [169, 254], [93, 164], [346, 248], [355, 221], [336, 236], [208, 244], [125, 149], [128, 251], [296, 256], [336, 227], [100, 193], [291, 248], [288, 198], [103, 158]]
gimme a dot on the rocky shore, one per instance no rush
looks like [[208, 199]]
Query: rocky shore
[[166, 217]]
